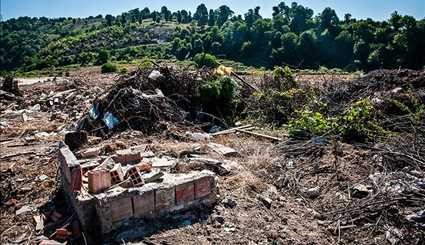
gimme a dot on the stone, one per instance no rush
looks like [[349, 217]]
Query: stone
[[24, 209], [99, 180], [163, 162], [223, 150], [229, 202], [155, 75], [310, 192], [360, 191]]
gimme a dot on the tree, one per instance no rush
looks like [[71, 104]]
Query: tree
[[211, 18], [103, 56], [361, 52], [201, 15], [223, 14], [166, 14], [109, 18]]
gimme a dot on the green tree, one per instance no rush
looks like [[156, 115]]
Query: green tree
[[201, 15]]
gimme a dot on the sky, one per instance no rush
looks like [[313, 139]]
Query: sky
[[360, 9]]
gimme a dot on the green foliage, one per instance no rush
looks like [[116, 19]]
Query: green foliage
[[293, 36], [218, 96], [311, 123], [207, 60], [283, 79], [123, 70], [109, 68]]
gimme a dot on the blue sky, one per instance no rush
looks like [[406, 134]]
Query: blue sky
[[376, 9]]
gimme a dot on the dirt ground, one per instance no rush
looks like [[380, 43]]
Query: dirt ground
[[262, 202]]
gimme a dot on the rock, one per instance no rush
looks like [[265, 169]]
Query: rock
[[266, 201], [163, 162], [228, 202], [39, 222], [90, 152], [310, 192], [152, 176], [198, 136], [24, 209], [223, 150], [393, 235], [155, 75], [417, 218], [360, 191], [42, 177]]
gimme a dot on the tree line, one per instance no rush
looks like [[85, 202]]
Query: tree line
[[293, 36]]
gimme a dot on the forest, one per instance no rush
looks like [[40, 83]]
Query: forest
[[294, 36]]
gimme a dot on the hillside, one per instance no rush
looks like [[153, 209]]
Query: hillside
[[294, 36]]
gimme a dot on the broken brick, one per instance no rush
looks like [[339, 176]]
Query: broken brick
[[117, 174], [135, 177], [127, 156], [76, 178]]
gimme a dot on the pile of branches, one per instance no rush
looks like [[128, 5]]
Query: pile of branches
[[140, 102]]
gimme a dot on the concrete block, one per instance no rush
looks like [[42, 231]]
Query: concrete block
[[144, 204], [121, 209], [67, 161], [99, 180], [185, 193], [203, 186]]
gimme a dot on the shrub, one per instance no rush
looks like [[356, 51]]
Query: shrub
[[109, 67], [309, 123], [204, 59], [283, 79], [123, 70], [218, 96]]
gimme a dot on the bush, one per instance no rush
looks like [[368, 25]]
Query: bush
[[309, 123], [109, 67], [218, 96], [204, 59], [283, 79], [123, 70]]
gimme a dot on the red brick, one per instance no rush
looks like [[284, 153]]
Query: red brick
[[117, 174], [121, 209], [99, 180], [164, 199], [185, 193], [203, 187], [144, 204], [127, 156], [135, 177]]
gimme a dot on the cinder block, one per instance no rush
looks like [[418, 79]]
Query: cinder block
[[99, 180], [203, 186], [164, 199], [185, 193], [121, 208], [144, 204]]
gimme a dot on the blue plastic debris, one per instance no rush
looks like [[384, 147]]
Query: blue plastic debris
[[110, 120], [94, 112]]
